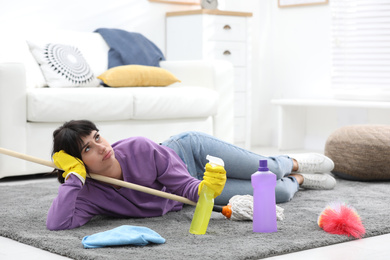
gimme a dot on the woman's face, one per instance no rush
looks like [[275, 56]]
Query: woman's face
[[97, 154]]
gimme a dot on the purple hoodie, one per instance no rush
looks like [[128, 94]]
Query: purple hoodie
[[143, 162]]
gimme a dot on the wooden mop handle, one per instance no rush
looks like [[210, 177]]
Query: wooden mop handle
[[103, 178], [142, 189], [27, 157]]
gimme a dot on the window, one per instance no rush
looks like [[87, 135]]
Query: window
[[361, 49]]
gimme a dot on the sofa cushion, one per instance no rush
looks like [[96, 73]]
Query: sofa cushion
[[137, 75], [63, 65], [113, 104], [130, 48], [174, 102], [63, 104]]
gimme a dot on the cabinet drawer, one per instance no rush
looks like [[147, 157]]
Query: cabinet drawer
[[230, 51], [239, 130], [240, 104], [225, 28], [240, 79]]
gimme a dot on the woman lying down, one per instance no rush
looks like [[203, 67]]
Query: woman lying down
[[177, 166]]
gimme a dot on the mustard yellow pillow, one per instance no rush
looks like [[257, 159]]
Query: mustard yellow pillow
[[137, 76]]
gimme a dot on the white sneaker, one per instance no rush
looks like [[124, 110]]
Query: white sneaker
[[313, 162], [318, 181]]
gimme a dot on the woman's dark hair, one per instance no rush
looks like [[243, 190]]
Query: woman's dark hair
[[68, 137]]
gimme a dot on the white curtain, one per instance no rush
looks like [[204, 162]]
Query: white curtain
[[361, 48]]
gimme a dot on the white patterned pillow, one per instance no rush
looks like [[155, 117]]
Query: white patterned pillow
[[63, 66]]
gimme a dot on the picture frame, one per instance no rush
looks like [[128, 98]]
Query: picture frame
[[291, 3]]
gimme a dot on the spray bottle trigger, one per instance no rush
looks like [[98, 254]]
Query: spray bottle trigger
[[214, 161]]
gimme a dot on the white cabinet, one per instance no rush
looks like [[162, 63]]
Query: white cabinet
[[214, 34]]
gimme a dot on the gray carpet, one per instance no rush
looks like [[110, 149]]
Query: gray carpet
[[24, 208]]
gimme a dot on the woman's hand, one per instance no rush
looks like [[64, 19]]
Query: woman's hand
[[70, 165], [214, 178]]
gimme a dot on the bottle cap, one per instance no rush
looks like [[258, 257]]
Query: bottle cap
[[263, 166], [214, 161], [227, 211]]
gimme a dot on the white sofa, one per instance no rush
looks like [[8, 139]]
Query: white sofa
[[29, 113]]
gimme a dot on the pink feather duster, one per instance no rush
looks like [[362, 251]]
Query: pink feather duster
[[341, 219]]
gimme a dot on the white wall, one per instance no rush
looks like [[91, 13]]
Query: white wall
[[18, 16], [291, 46], [296, 59], [291, 58]]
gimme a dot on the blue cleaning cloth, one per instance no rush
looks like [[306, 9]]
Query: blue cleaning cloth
[[128, 48], [123, 235]]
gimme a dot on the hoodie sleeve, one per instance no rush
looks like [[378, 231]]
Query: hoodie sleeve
[[173, 174], [64, 212]]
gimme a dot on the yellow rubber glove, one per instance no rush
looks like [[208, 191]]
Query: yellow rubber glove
[[214, 178], [70, 165]]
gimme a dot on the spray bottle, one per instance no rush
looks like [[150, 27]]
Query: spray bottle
[[264, 204], [205, 204]]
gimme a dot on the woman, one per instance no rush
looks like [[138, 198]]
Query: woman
[[176, 166]]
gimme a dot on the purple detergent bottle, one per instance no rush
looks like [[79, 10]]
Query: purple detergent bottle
[[264, 204]]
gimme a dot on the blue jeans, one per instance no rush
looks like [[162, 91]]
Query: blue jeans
[[240, 164]]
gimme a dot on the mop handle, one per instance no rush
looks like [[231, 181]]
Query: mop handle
[[103, 178]]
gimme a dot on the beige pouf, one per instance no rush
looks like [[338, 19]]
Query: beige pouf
[[360, 152]]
